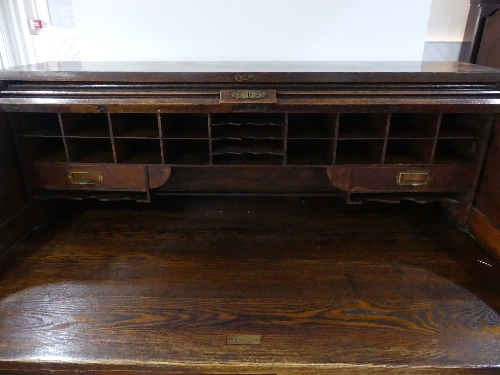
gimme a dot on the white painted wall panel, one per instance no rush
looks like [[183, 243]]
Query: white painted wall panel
[[55, 48], [257, 30], [447, 20], [442, 51]]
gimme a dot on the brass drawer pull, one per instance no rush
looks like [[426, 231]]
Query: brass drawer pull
[[86, 177], [414, 178]]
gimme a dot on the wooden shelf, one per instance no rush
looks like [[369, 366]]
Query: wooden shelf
[[310, 152], [140, 134], [413, 125], [138, 151], [90, 150], [362, 125], [188, 152], [135, 125], [247, 159], [48, 149], [43, 133], [247, 131], [90, 133], [457, 151], [463, 125], [248, 119], [248, 146], [37, 124], [86, 125], [351, 152], [53, 157], [184, 126], [311, 126], [409, 151]]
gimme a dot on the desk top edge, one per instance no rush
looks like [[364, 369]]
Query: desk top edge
[[258, 72]]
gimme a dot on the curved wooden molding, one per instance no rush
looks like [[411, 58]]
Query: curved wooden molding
[[340, 177], [158, 175]]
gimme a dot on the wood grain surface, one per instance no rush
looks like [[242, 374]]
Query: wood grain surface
[[330, 288], [249, 72]]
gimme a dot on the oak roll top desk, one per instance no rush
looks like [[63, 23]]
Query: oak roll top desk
[[385, 132]]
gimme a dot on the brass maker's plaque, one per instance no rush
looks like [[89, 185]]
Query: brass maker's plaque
[[248, 96], [414, 178], [243, 340]]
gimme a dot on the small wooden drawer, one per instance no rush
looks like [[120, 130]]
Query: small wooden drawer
[[394, 179], [87, 176]]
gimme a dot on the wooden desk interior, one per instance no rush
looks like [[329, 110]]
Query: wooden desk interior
[[330, 287], [248, 169]]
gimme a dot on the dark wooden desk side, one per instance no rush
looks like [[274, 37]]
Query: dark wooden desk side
[[482, 46], [479, 13], [17, 214]]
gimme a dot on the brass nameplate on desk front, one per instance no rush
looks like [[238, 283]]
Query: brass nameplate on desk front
[[243, 339], [248, 96]]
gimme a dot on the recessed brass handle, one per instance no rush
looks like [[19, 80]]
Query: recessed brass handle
[[413, 178], [86, 177]]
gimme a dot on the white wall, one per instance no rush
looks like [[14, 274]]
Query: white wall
[[447, 20], [256, 30]]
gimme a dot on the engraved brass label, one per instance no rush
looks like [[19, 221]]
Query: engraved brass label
[[243, 339], [86, 177], [249, 94], [243, 77], [414, 178]]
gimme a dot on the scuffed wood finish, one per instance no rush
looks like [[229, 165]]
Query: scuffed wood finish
[[331, 288]]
